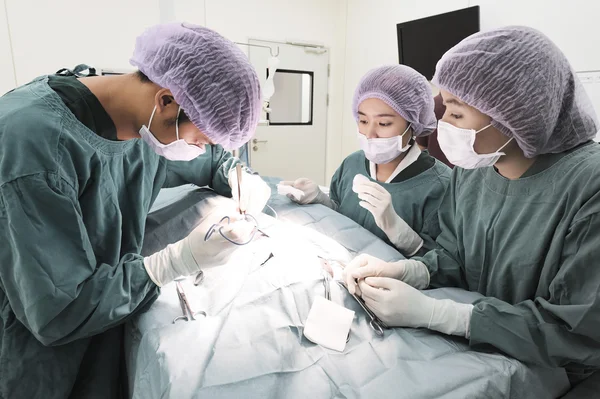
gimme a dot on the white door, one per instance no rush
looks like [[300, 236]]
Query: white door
[[293, 144]]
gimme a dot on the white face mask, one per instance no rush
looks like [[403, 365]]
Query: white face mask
[[383, 150], [179, 150], [457, 145]]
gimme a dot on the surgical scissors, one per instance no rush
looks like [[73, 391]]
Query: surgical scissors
[[188, 313]]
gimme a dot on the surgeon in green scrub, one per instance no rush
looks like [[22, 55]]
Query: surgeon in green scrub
[[521, 219], [390, 187], [81, 162]]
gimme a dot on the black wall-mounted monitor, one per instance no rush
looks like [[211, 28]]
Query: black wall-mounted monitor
[[422, 42]]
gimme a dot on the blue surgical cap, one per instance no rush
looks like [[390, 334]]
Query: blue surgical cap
[[521, 80]]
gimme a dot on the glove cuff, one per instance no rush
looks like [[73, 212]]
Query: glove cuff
[[415, 274], [150, 263], [404, 237], [159, 267], [451, 317], [324, 199], [173, 261]]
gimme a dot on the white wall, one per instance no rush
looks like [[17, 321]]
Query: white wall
[[49, 35], [572, 24], [371, 34], [7, 73]]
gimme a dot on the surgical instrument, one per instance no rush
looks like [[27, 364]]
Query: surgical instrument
[[238, 171], [376, 324], [199, 278], [219, 227], [269, 258], [327, 284], [186, 309]]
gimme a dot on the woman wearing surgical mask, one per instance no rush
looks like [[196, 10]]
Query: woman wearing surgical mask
[[521, 219], [81, 162], [389, 187]]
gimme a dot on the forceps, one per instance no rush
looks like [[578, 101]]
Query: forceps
[[186, 309], [376, 324], [327, 273], [238, 171]]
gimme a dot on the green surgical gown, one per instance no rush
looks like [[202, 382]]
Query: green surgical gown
[[73, 207], [416, 195], [532, 247]]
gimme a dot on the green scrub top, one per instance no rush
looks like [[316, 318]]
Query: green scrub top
[[417, 193], [532, 247], [73, 206]]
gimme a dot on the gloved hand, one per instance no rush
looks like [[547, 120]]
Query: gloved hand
[[398, 304], [378, 201], [255, 192], [412, 272], [190, 255], [312, 193]]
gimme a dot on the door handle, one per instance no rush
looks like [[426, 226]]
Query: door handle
[[256, 141]]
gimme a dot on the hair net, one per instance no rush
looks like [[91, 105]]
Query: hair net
[[210, 77], [520, 79], [403, 89]]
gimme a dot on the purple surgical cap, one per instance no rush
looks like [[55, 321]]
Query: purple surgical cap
[[402, 88], [521, 80], [210, 77]]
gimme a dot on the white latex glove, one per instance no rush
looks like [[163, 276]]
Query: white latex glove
[[255, 192], [378, 201], [190, 255], [398, 304], [312, 193], [412, 272]]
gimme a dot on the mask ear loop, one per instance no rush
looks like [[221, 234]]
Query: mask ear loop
[[474, 136], [410, 142], [408, 127], [483, 128], [151, 117], [499, 149], [505, 144], [177, 123]]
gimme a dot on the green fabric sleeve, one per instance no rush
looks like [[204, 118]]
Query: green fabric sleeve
[[431, 230], [561, 330], [57, 286], [334, 190], [444, 263], [209, 169]]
